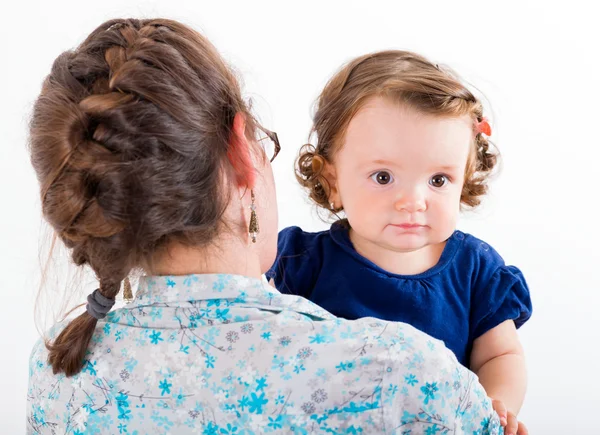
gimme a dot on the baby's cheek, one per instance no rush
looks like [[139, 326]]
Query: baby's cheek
[[447, 214]]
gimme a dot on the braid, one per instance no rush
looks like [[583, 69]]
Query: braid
[[90, 157], [129, 140]]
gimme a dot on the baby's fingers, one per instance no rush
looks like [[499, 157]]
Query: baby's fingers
[[522, 429], [500, 410], [512, 425]]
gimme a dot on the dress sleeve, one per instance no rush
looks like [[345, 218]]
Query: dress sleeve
[[298, 262], [505, 296]]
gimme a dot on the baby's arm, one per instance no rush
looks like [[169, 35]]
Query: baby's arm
[[499, 361]]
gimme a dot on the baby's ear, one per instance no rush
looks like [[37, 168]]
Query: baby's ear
[[329, 173]]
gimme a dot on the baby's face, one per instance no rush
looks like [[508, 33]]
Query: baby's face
[[399, 175]]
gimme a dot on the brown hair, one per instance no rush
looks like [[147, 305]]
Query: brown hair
[[129, 140], [404, 77]]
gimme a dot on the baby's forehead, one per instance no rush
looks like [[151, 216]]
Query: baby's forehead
[[399, 150], [393, 126], [424, 164]]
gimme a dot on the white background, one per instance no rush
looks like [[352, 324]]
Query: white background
[[536, 63]]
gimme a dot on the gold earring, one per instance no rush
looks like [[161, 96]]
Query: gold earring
[[253, 229], [127, 293]]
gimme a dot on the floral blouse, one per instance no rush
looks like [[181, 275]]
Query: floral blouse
[[224, 354]]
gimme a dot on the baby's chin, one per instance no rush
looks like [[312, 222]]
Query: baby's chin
[[408, 242]]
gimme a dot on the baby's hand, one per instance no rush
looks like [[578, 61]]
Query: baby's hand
[[508, 420]]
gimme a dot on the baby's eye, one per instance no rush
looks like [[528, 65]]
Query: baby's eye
[[382, 177], [438, 180]]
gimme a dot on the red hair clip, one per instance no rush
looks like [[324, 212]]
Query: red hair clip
[[483, 126]]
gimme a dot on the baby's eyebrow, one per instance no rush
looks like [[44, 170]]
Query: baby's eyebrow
[[383, 162], [447, 167]]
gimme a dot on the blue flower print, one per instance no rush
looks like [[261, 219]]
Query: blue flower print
[[179, 398], [346, 366], [219, 284], [165, 386], [298, 368], [279, 363], [188, 281], [210, 361], [90, 367], [275, 423], [429, 390], [261, 383], [229, 430], [221, 355], [210, 429], [222, 314], [155, 337], [318, 339], [411, 380], [130, 364], [257, 403], [407, 417], [243, 402]]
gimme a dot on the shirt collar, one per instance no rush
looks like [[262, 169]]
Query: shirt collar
[[239, 290]]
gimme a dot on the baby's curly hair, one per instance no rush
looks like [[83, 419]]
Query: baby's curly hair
[[400, 76]]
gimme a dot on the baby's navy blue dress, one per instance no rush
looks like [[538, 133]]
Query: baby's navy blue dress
[[468, 292]]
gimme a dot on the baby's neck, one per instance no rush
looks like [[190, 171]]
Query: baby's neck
[[399, 263]]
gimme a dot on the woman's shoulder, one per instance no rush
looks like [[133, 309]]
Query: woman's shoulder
[[420, 370], [393, 346], [39, 351]]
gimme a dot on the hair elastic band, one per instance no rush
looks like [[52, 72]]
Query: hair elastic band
[[98, 305]]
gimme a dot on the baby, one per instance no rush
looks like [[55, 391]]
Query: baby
[[402, 144]]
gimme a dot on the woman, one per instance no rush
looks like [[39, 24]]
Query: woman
[[149, 160]]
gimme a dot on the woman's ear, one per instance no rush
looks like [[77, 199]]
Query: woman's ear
[[239, 153]]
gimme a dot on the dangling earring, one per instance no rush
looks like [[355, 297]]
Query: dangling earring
[[127, 293], [332, 206], [253, 229]]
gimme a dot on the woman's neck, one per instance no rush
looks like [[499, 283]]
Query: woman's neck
[[227, 256]]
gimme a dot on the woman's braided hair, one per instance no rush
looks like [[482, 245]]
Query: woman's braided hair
[[129, 139]]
